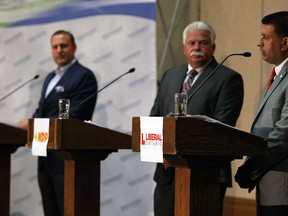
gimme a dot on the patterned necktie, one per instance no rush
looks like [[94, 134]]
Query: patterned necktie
[[188, 83], [273, 74]]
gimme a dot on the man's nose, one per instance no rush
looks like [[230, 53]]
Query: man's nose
[[260, 43], [197, 46], [59, 49]]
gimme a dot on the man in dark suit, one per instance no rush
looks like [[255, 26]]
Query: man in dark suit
[[270, 172], [73, 81], [219, 97]]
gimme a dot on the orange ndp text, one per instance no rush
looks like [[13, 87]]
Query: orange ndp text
[[41, 136]]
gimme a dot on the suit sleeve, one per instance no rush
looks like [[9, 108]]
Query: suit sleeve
[[272, 124], [86, 86], [277, 141], [155, 110], [38, 113]]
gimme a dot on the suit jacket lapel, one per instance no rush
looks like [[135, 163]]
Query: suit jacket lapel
[[179, 78], [47, 81], [62, 80], [207, 71], [277, 81]]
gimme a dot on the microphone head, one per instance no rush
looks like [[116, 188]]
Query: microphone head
[[36, 76], [131, 70], [246, 54]]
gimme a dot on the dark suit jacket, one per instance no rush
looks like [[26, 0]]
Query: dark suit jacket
[[220, 97], [77, 84]]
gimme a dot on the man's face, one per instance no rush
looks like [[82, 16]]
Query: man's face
[[63, 50], [198, 47], [271, 45]]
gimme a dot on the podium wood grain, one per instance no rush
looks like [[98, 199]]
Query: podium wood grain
[[83, 146], [198, 146]]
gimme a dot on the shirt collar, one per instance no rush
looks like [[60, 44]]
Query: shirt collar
[[199, 70], [279, 67], [61, 71]]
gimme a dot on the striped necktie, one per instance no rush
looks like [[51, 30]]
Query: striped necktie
[[188, 83]]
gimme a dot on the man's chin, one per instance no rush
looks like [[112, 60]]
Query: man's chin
[[265, 58], [197, 56], [197, 64], [197, 60], [61, 63]]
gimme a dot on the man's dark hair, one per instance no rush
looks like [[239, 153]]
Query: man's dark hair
[[67, 33], [279, 20]]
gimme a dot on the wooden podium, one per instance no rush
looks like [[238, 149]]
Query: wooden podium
[[82, 146], [11, 139], [198, 146]]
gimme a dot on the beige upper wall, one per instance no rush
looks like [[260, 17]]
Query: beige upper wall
[[238, 30], [238, 26]]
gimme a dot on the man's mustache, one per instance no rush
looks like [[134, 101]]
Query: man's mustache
[[196, 53]]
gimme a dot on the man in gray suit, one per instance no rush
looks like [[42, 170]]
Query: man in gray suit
[[270, 172], [219, 97]]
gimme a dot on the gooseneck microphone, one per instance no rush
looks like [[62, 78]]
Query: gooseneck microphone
[[130, 71], [245, 54], [34, 78]]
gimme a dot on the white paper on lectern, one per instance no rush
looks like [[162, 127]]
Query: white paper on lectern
[[40, 137], [151, 139]]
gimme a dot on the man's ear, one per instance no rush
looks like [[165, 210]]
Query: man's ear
[[214, 47], [284, 44]]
